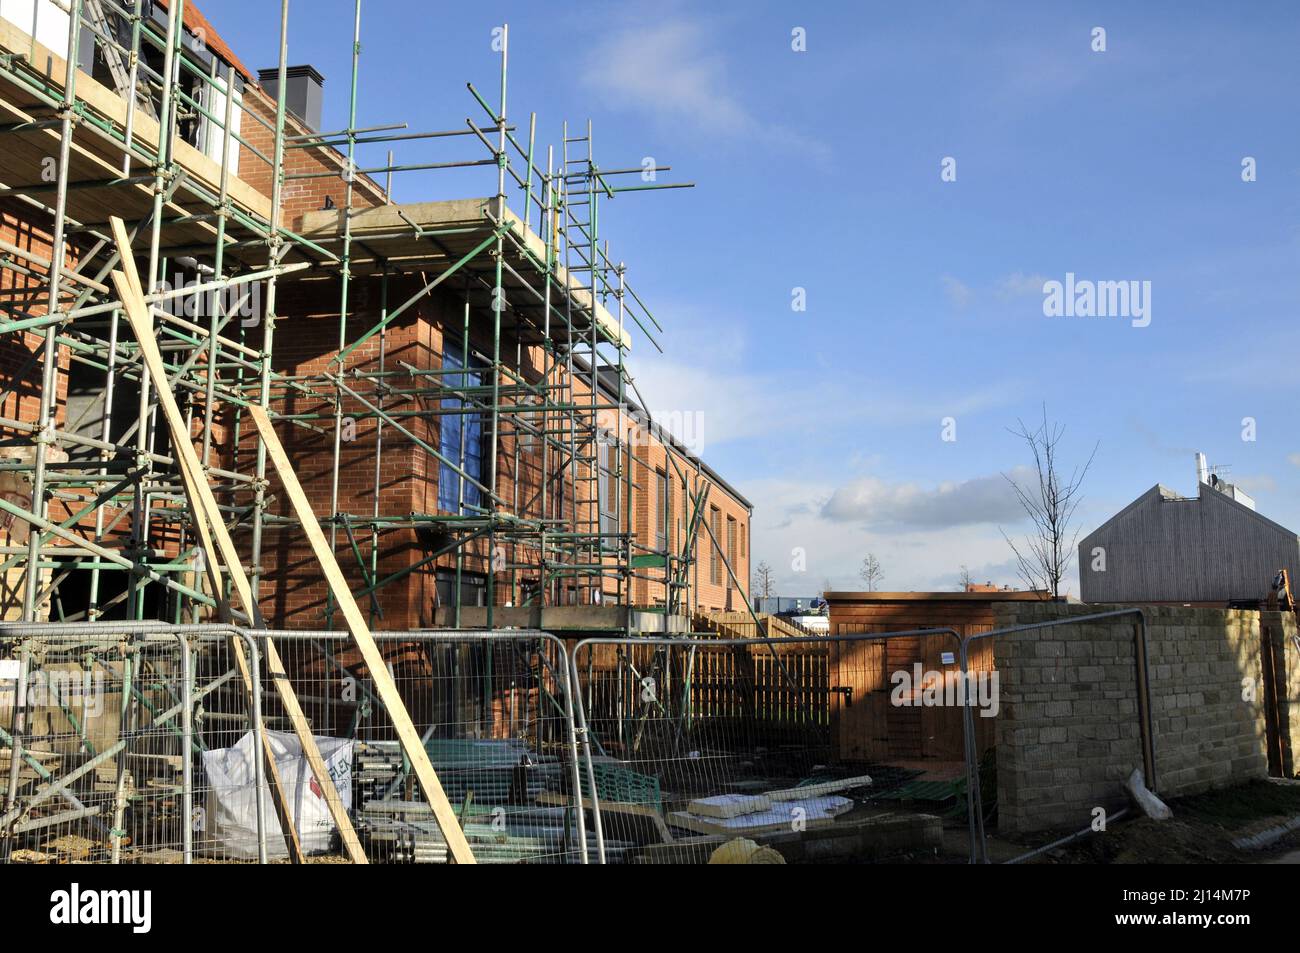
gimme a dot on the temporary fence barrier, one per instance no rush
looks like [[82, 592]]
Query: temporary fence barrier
[[98, 734], [732, 737], [656, 741]]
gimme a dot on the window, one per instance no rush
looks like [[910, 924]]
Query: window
[[210, 137], [461, 438], [608, 490], [731, 546], [715, 557], [530, 441], [662, 512], [683, 519], [674, 524], [559, 501], [744, 548], [473, 588]]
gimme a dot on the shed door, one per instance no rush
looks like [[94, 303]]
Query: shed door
[[859, 696]]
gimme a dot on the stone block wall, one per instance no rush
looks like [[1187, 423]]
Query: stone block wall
[[1068, 731]]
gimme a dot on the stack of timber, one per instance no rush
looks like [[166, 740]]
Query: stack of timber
[[807, 807]]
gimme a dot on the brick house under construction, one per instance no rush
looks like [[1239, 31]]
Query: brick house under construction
[[448, 377]]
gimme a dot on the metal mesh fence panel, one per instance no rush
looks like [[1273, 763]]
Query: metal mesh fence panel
[[493, 714], [692, 742], [102, 761], [95, 765]]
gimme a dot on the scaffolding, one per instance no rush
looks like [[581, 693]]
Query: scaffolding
[[93, 501]]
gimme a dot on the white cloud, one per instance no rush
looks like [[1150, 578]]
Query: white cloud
[[1007, 288], [673, 71], [722, 405], [959, 294], [1293, 458], [789, 531], [875, 502], [1256, 483], [1020, 285]]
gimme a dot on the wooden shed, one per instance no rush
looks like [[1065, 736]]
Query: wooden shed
[[867, 726]]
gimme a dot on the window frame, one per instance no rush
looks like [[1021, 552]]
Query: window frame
[[715, 553], [470, 450], [663, 509], [606, 499]]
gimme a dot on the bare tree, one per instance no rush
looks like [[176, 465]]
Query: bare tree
[[871, 571], [1043, 556], [964, 581], [764, 581]]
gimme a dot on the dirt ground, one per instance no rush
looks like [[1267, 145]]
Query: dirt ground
[[1201, 831]]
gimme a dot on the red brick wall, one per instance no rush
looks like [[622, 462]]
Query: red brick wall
[[21, 376], [651, 457], [306, 339], [298, 196], [20, 398]]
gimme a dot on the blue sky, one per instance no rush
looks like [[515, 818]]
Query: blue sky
[[821, 170]]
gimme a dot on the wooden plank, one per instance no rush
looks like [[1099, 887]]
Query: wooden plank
[[858, 720], [820, 789], [278, 800], [775, 821], [130, 291], [385, 687], [190, 482], [729, 805], [194, 489], [628, 808]]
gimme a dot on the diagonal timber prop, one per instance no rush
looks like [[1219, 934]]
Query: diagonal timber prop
[[204, 505], [385, 687]]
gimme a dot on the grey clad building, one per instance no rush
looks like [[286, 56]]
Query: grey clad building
[[1209, 549]]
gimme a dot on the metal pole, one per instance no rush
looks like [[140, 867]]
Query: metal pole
[[345, 276], [274, 242], [17, 726], [498, 303], [124, 728], [50, 352], [187, 752]]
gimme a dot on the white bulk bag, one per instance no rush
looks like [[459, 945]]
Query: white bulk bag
[[229, 823]]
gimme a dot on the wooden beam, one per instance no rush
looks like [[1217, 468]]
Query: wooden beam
[[190, 481], [385, 687], [131, 293], [278, 799], [642, 812]]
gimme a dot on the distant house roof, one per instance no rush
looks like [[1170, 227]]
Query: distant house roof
[[1167, 495], [995, 595], [1166, 547], [196, 22]]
